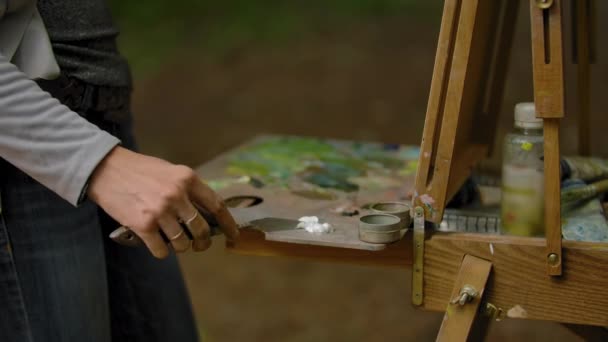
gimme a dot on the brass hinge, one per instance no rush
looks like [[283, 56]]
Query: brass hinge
[[493, 312], [417, 274]]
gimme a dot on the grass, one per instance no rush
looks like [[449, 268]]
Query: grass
[[154, 30]]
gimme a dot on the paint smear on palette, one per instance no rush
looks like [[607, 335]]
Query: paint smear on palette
[[426, 199], [333, 165], [428, 202], [311, 191], [410, 152], [376, 182], [410, 168], [222, 183]]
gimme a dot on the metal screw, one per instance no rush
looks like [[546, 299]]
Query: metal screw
[[418, 212], [553, 259], [467, 294], [544, 4]]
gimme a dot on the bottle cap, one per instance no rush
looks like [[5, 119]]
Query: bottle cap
[[525, 116]]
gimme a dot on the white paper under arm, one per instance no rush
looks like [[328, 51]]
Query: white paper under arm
[[44, 138]]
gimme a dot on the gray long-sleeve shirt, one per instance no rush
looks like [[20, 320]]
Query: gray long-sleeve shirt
[[45, 139], [42, 137]]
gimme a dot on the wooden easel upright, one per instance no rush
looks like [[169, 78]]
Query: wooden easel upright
[[466, 92], [473, 278]]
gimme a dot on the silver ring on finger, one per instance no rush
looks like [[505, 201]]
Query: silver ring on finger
[[177, 236], [191, 219]]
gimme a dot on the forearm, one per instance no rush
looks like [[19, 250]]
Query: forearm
[[44, 138]]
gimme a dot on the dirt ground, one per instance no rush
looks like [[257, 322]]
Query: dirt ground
[[369, 82]]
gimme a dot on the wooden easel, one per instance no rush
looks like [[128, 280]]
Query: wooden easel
[[470, 276], [466, 92]]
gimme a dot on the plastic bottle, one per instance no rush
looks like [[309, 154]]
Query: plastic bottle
[[523, 196]]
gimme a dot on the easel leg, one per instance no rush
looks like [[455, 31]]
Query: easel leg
[[461, 322], [449, 149]]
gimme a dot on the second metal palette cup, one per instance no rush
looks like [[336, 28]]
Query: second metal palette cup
[[399, 209]]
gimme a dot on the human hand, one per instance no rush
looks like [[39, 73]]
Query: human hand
[[147, 194]]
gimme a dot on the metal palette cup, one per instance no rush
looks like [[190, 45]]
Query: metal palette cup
[[399, 209], [379, 228]]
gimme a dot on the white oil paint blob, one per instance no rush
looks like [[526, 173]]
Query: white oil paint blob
[[311, 224]]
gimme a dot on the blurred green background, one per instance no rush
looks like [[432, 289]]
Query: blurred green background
[[153, 31], [211, 74]]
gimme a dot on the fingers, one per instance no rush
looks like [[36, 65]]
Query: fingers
[[196, 224], [210, 201], [175, 233], [177, 214], [201, 245], [155, 243]]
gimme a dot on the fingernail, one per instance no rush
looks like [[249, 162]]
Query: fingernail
[[161, 254], [201, 245]]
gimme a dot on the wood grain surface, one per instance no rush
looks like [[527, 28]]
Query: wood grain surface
[[547, 60], [458, 320], [519, 284], [553, 218], [449, 149]]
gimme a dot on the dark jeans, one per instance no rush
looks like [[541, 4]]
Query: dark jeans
[[62, 279]]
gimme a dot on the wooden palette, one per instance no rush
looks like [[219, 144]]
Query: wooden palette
[[279, 201]]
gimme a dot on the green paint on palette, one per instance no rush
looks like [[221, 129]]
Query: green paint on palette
[[333, 175], [329, 181], [315, 194], [223, 183], [377, 182], [326, 164], [410, 168]]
